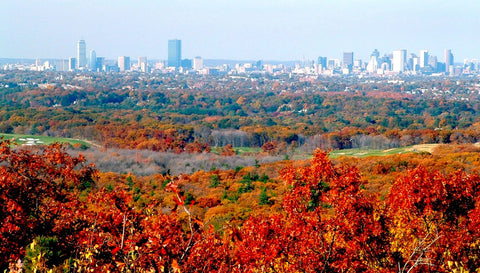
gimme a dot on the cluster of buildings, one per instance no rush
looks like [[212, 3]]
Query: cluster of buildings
[[98, 64], [175, 63], [397, 62], [123, 63]]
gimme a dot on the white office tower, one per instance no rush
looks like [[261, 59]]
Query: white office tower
[[372, 66], [448, 56], [124, 63], [197, 63], [81, 54], [423, 58], [399, 60], [416, 63], [142, 64], [92, 60]]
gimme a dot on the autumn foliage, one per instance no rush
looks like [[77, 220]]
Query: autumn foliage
[[55, 216]]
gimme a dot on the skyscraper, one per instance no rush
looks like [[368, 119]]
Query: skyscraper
[[372, 66], [197, 63], [348, 59], [72, 64], [399, 60], [92, 61], [448, 59], [174, 53], [432, 62], [142, 64], [423, 58], [322, 62], [124, 63], [100, 63], [81, 54], [375, 53]]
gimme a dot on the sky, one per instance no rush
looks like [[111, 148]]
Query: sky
[[239, 29]]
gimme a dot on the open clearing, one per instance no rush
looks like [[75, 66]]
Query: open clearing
[[30, 140], [367, 152]]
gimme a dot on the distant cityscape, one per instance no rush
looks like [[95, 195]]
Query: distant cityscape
[[397, 62]]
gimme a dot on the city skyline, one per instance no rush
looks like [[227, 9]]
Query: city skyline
[[268, 30], [396, 62], [398, 58]]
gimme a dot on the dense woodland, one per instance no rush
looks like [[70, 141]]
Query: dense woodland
[[222, 211], [193, 113]]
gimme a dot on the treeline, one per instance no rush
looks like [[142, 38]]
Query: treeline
[[371, 139], [192, 113]]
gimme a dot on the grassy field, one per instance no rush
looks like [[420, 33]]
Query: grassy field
[[247, 150], [366, 152], [40, 140], [348, 152], [239, 150]]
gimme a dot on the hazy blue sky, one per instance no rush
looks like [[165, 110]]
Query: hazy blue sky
[[234, 29]]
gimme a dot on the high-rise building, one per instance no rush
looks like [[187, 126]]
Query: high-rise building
[[81, 54], [186, 63], [72, 64], [474, 64], [124, 63], [415, 63], [142, 64], [372, 65], [92, 60], [423, 58], [174, 53], [432, 62], [348, 59], [399, 60], [448, 59], [100, 64], [60, 65], [410, 60], [322, 62], [197, 63]]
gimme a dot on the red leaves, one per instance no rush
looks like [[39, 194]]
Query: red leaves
[[163, 251], [115, 250], [34, 187], [428, 207], [330, 223]]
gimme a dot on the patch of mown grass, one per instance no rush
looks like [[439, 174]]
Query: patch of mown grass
[[42, 140]]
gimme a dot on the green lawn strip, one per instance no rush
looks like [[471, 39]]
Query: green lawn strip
[[238, 150], [247, 150], [372, 152], [40, 140]]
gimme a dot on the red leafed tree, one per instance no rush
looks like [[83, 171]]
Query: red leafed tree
[[37, 196], [336, 222], [122, 238], [330, 224], [435, 221]]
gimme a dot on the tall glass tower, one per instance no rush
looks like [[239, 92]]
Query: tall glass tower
[[174, 53], [424, 58], [399, 60], [448, 59], [92, 64], [81, 54], [348, 59]]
